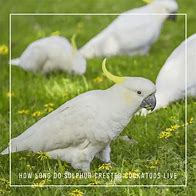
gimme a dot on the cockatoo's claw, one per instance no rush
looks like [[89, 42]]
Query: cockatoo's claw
[[85, 170], [111, 162]]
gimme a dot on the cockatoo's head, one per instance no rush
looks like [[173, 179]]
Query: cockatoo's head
[[138, 90], [78, 61], [170, 6]]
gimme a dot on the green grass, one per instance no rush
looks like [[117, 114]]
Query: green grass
[[32, 92]]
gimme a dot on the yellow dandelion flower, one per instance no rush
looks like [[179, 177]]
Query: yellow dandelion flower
[[49, 109], [42, 156], [76, 192], [56, 33], [168, 129], [24, 111], [38, 184], [10, 94], [98, 79], [165, 135], [37, 114], [3, 49], [174, 127], [105, 166], [47, 105]]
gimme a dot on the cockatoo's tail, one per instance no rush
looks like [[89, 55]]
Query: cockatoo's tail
[[115, 79]]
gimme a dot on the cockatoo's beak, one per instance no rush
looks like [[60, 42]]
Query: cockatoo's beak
[[172, 16], [149, 103]]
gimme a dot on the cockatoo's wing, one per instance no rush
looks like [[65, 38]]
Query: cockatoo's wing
[[142, 31], [127, 34], [191, 65], [64, 127]]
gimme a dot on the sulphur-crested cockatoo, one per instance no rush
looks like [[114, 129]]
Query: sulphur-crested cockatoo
[[131, 33], [170, 82], [84, 127], [52, 53]]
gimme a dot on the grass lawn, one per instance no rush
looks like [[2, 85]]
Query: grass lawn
[[33, 96]]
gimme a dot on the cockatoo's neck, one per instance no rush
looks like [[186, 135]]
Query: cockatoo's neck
[[119, 106]]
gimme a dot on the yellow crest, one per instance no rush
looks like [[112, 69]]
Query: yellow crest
[[115, 79], [147, 1], [73, 43]]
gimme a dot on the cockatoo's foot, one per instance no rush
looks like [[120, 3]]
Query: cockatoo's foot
[[111, 162], [84, 166], [104, 155]]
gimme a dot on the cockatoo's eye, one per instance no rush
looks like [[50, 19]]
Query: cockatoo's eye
[[139, 92]]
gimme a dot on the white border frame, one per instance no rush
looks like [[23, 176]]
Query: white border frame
[[10, 99]]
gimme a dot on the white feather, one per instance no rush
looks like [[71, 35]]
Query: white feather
[[130, 34], [49, 54]]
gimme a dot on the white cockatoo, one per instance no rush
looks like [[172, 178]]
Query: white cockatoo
[[84, 127], [170, 82], [131, 33], [52, 53]]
